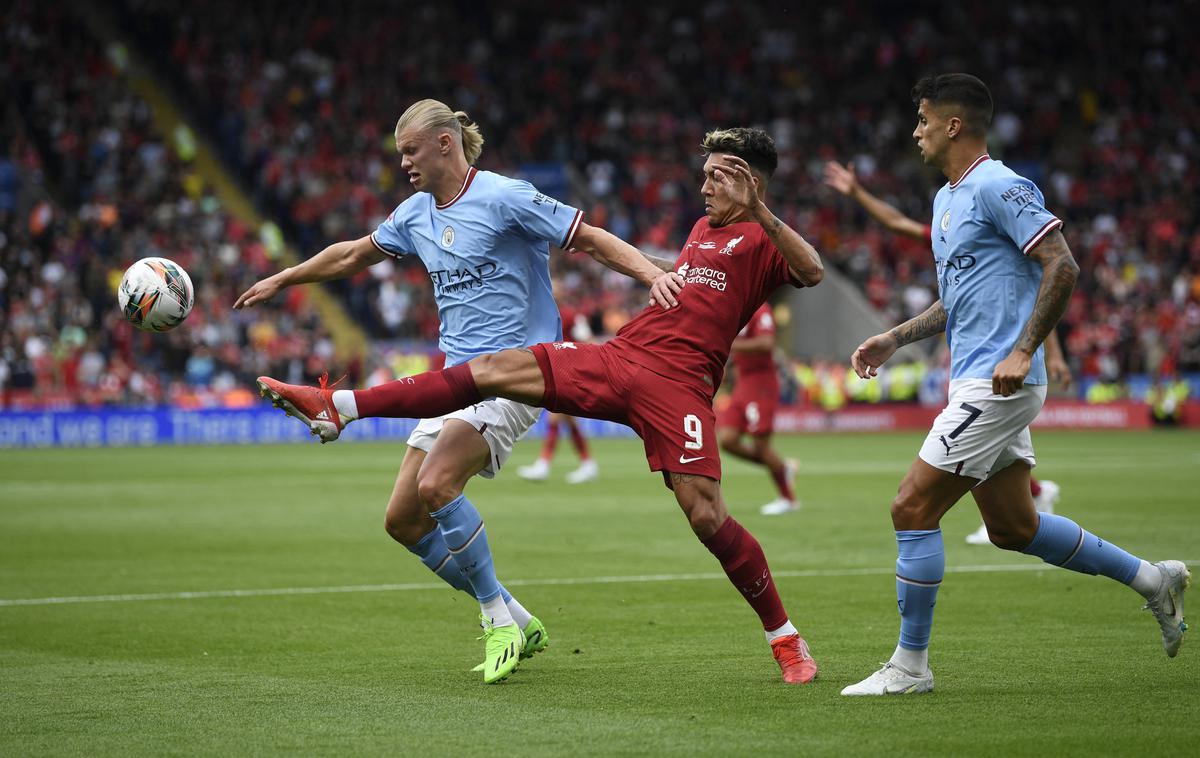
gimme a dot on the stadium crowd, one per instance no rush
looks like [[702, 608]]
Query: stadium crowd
[[301, 98]]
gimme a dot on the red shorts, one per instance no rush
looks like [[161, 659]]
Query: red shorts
[[751, 410], [674, 419]]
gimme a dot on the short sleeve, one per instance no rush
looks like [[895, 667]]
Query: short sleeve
[[540, 216], [1016, 206], [391, 237]]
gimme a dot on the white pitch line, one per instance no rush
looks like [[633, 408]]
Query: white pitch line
[[582, 580]]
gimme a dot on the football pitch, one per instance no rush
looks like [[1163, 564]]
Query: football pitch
[[246, 600]]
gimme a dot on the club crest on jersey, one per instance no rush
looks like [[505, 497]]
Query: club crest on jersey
[[448, 236], [945, 222], [730, 245]]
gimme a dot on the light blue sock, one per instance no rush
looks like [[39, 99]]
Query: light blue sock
[[919, 571], [435, 555], [1061, 541], [466, 539]]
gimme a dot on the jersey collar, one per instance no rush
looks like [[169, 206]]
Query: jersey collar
[[470, 177], [953, 185]]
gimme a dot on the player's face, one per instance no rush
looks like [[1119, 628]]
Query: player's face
[[931, 133], [420, 157], [717, 206]]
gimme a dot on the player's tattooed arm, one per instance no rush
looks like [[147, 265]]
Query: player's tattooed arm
[[929, 323], [661, 263], [1059, 272], [623, 257]]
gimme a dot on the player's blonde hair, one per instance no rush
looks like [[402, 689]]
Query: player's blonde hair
[[434, 114]]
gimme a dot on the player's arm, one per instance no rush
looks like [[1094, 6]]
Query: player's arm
[[1059, 272], [662, 264], [620, 256], [802, 258], [872, 354], [1056, 363], [339, 260], [759, 343], [843, 179]]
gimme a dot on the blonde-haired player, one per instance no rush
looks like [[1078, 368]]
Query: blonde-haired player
[[485, 240]]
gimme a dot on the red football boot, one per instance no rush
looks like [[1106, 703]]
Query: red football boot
[[312, 405], [796, 663]]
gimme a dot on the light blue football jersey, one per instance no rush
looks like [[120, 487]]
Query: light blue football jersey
[[983, 227], [487, 252]]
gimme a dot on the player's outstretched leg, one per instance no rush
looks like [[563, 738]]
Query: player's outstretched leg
[[744, 563], [312, 405]]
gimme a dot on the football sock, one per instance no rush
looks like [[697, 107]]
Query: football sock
[[519, 614], [1061, 541], [780, 477], [432, 551], [466, 539], [1035, 487], [496, 610], [428, 395], [581, 445], [742, 558], [1147, 579], [919, 570], [783, 631], [550, 443], [343, 402], [915, 662]]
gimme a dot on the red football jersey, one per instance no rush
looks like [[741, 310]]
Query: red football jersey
[[730, 271], [762, 322]]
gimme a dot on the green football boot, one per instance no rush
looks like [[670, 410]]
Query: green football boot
[[502, 647], [536, 640]]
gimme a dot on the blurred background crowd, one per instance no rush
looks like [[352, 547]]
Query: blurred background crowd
[[602, 105]]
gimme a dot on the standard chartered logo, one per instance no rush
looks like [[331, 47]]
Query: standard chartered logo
[[713, 277]]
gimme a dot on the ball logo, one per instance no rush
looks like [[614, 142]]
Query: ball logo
[[946, 222], [448, 236]]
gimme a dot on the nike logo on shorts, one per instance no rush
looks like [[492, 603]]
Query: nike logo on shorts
[[690, 460]]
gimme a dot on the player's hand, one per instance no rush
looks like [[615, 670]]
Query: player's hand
[[733, 179], [872, 354], [841, 178], [260, 293], [1059, 371], [1009, 374], [665, 289]]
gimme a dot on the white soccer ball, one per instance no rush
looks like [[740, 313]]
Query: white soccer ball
[[156, 294]]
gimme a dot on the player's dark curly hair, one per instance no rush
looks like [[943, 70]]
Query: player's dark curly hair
[[751, 145], [967, 92]]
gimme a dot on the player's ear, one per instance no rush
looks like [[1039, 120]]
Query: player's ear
[[954, 127]]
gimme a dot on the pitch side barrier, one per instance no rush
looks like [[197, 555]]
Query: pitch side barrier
[[264, 425]]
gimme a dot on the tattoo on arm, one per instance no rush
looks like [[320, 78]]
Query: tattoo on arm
[[661, 263], [929, 323], [1059, 272]]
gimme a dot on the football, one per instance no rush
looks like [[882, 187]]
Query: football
[[156, 294]]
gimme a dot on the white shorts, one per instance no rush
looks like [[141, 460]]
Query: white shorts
[[501, 422], [980, 433]]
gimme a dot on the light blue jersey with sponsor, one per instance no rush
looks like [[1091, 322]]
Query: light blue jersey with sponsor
[[984, 225], [487, 251]]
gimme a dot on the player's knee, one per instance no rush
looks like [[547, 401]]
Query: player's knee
[[1012, 536], [404, 529], [436, 489], [705, 514], [909, 507]]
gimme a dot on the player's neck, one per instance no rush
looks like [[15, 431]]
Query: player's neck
[[450, 184], [961, 158]]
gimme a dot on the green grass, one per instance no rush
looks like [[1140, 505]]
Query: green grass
[[1028, 662]]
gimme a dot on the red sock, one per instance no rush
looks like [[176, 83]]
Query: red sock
[[742, 558], [428, 395], [550, 443], [580, 442], [782, 484], [1035, 487]]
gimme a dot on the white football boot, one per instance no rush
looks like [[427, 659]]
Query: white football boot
[[1167, 604], [587, 471], [892, 680], [538, 471]]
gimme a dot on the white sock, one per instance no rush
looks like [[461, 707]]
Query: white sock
[[915, 662], [344, 401], [1147, 580], [497, 611], [519, 614], [783, 631]]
